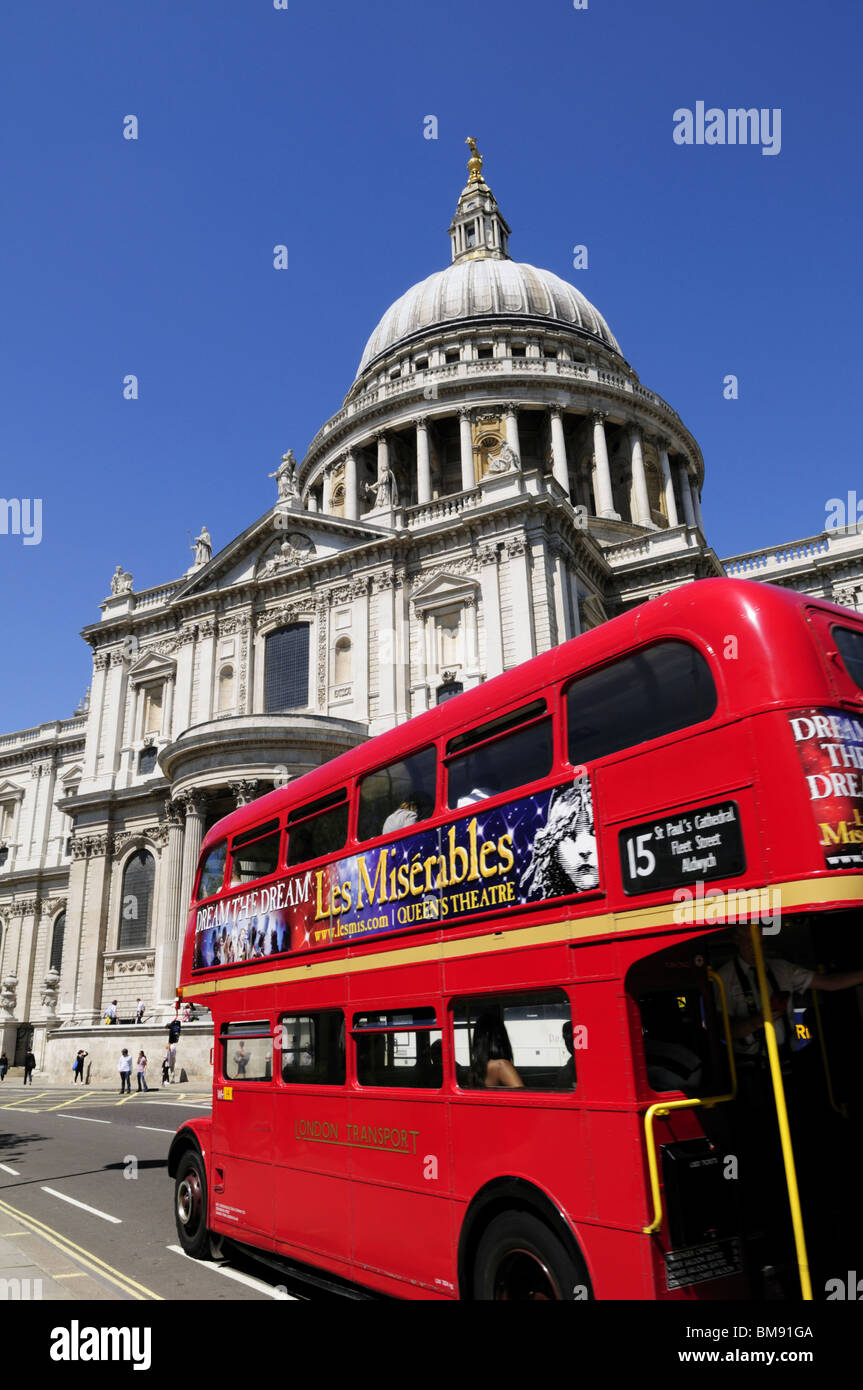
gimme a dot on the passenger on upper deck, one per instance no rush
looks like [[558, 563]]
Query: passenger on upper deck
[[405, 814]]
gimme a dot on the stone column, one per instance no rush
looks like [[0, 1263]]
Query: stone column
[[491, 611], [311, 502], [171, 927], [603, 495], [352, 501], [328, 492], [521, 598], [195, 803], [668, 484], [468, 479], [696, 505], [471, 638], [560, 467], [423, 461], [419, 684], [642, 501], [511, 426], [688, 509], [97, 713]]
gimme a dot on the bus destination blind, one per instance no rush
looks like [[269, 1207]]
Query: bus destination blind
[[682, 848]]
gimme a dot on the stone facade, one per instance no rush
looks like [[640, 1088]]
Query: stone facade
[[497, 481]]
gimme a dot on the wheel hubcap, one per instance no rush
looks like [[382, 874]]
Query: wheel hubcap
[[189, 1201], [522, 1277]]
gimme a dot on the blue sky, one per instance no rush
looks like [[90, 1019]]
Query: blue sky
[[305, 127]]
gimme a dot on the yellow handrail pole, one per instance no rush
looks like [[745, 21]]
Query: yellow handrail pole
[[782, 1115], [663, 1107], [841, 1108]]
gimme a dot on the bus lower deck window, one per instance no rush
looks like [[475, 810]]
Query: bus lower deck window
[[247, 1051], [532, 1032], [312, 1048], [400, 1048]]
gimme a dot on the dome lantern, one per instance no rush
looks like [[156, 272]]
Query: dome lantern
[[478, 230]]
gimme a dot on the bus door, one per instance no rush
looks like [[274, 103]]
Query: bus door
[[312, 1138], [242, 1178], [402, 1220]]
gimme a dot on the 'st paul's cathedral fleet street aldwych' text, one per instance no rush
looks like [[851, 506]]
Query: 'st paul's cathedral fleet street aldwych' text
[[497, 481]]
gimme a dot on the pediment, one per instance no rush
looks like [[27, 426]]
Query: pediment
[[443, 588], [152, 666], [70, 776], [8, 791], [290, 536]]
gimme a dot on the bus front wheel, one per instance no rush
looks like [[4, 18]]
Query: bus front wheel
[[519, 1260], [191, 1205]]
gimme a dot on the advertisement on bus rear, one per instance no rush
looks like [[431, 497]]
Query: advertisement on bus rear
[[830, 745], [527, 851]]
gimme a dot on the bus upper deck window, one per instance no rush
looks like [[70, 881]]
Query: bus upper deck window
[[318, 828], [212, 871], [653, 692], [850, 644], [397, 795], [255, 853], [500, 755]]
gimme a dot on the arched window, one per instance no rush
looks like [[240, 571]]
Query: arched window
[[147, 759], [57, 942], [286, 669], [226, 689], [136, 905], [342, 662], [449, 691]]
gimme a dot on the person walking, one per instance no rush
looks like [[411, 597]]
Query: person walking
[[124, 1067], [29, 1067], [111, 1012], [166, 1065], [141, 1069], [78, 1066], [172, 1059], [139, 1010], [4, 1066]]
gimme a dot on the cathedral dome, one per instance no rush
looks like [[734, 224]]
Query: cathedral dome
[[485, 288]]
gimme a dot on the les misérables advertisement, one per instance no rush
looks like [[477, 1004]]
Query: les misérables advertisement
[[536, 847], [830, 745]]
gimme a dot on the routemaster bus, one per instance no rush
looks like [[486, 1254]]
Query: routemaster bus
[[476, 1028]]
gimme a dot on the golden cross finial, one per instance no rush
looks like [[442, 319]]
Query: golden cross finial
[[474, 164]]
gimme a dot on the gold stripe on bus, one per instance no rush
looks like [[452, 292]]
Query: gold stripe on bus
[[794, 893]]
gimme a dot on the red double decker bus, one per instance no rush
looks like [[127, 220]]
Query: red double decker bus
[[476, 1029]]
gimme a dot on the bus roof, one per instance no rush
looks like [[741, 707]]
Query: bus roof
[[712, 608]]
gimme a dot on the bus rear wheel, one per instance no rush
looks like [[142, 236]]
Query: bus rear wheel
[[519, 1260], [190, 1206]]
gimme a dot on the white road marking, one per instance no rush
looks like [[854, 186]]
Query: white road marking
[[86, 1118], [7, 1169], [154, 1130], [249, 1280], [94, 1211]]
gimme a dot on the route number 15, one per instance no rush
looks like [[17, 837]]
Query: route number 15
[[642, 861]]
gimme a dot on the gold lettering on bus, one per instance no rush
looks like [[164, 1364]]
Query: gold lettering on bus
[[348, 1136]]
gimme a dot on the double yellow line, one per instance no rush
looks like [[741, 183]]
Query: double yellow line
[[82, 1257]]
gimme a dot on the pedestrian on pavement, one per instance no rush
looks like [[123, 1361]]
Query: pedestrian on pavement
[[78, 1066], [29, 1067], [4, 1066], [173, 1029], [124, 1067], [166, 1064], [172, 1059], [139, 1010], [141, 1068], [111, 1011]]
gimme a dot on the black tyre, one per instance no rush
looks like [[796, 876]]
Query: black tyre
[[519, 1260], [190, 1206]]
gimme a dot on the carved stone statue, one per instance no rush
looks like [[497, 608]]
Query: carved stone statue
[[203, 547], [50, 990], [506, 460], [386, 490], [286, 476], [9, 995], [121, 581]]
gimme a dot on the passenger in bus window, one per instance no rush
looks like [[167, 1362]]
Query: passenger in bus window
[[491, 1054], [403, 815], [241, 1061], [566, 1074]]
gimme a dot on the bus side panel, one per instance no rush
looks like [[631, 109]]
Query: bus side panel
[[689, 769], [402, 1222], [313, 1169]]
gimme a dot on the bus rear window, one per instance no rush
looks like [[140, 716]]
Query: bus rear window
[[850, 644], [650, 693], [212, 870], [398, 795], [320, 835], [500, 765]]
